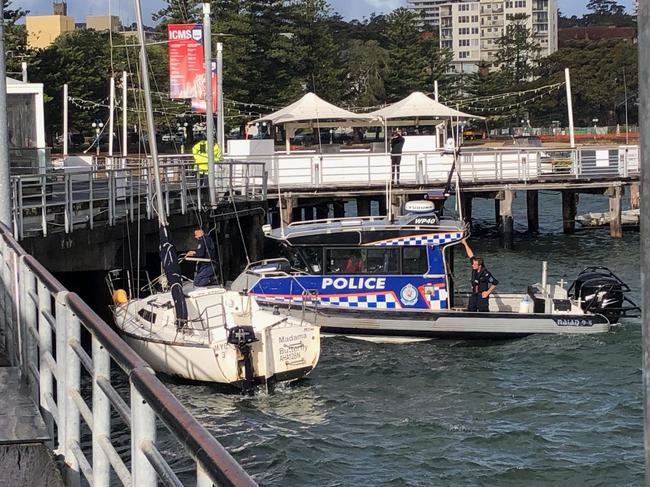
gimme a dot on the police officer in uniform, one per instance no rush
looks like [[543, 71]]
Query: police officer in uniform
[[205, 268], [483, 283]]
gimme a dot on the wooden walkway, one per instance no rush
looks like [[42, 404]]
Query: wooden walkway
[[25, 459]]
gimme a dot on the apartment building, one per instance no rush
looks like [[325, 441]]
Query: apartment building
[[103, 22], [429, 10], [471, 30]]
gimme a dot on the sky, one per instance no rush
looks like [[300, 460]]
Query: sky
[[349, 9]]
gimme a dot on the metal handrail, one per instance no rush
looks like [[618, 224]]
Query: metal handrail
[[35, 309], [119, 189], [430, 167]]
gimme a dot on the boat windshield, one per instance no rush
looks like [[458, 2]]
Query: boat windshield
[[362, 261]]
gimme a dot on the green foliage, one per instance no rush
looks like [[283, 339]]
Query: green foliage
[[16, 50], [597, 71], [517, 52]]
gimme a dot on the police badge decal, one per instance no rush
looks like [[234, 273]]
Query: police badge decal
[[409, 295]]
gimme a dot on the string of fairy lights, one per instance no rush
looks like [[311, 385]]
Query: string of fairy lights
[[235, 109]]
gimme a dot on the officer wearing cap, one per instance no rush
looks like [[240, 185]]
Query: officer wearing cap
[[482, 283], [205, 251]]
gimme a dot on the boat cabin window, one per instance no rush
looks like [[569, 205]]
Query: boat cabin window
[[313, 258], [414, 261], [307, 259], [363, 261], [147, 315]]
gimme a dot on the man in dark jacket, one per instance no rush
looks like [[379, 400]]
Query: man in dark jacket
[[205, 251], [482, 283], [396, 146]]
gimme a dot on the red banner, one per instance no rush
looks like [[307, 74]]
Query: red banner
[[186, 61], [199, 103]]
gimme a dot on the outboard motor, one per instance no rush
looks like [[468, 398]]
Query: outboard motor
[[242, 337], [600, 291]]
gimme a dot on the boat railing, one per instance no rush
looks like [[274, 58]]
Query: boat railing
[[73, 363]]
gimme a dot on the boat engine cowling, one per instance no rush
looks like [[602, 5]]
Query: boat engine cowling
[[600, 291]]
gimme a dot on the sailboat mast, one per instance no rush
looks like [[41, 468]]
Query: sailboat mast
[[151, 129]]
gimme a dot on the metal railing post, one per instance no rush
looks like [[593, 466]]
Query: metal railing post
[[101, 414], [29, 327], [61, 376], [91, 201], [46, 382], [202, 478], [72, 379], [43, 179], [143, 430]]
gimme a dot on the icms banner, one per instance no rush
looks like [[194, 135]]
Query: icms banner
[[186, 61]]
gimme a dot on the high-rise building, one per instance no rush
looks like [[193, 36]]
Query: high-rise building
[[103, 22], [43, 29], [471, 30], [428, 10]]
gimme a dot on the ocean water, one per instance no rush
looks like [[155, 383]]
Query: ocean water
[[537, 411]]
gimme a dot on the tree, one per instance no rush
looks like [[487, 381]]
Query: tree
[[517, 51], [366, 62], [406, 64], [178, 12], [597, 69], [16, 49], [605, 7]]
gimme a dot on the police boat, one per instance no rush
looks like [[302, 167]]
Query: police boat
[[391, 279]]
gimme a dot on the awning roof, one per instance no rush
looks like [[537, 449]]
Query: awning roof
[[312, 107], [419, 105]]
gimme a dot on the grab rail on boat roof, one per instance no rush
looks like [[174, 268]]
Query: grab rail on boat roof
[[337, 220]]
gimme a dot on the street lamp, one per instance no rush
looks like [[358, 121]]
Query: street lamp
[[97, 125], [182, 128], [595, 121]]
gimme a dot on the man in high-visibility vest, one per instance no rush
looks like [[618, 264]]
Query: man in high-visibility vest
[[200, 154]]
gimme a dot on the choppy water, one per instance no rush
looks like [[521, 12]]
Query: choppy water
[[539, 411]]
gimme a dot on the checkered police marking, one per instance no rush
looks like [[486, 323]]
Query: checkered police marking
[[438, 299], [364, 301], [420, 240]]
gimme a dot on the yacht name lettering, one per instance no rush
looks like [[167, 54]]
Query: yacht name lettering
[[354, 283], [574, 322], [292, 338]]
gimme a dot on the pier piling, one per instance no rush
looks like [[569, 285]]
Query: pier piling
[[363, 206], [322, 211], [615, 226], [569, 208], [532, 206], [466, 202], [286, 210], [507, 222], [635, 196], [339, 209]]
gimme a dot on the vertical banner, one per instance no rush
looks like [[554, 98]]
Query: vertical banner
[[199, 103], [186, 61]]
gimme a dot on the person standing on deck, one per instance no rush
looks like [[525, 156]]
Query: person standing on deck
[[206, 252], [482, 283], [396, 146]]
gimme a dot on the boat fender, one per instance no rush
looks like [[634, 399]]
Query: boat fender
[[527, 305], [120, 297]]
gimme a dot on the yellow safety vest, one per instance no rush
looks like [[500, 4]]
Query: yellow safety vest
[[200, 153]]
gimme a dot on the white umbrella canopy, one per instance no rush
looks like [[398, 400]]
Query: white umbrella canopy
[[419, 105], [312, 107]]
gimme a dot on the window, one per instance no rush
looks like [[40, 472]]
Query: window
[[313, 258], [463, 54], [362, 261], [414, 261], [147, 315], [474, 30], [463, 43]]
